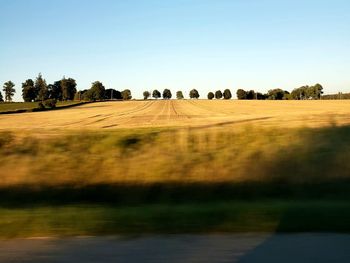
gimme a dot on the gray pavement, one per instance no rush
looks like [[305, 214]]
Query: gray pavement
[[240, 248]]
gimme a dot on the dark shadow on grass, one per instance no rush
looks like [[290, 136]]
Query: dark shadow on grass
[[171, 193]]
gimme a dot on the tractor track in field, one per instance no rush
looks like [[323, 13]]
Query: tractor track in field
[[182, 113]]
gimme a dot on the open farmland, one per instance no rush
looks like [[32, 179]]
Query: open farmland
[[182, 113], [176, 166]]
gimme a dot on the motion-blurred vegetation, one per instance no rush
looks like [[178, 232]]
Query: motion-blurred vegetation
[[302, 171]]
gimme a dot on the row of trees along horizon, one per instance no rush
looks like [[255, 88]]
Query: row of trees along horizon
[[65, 90]]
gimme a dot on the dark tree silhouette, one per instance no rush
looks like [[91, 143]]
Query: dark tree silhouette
[[218, 94], [210, 96], [28, 91], [156, 94], [9, 90], [167, 94], [179, 95], [126, 94], [96, 92], [227, 94], [146, 95], [194, 94]]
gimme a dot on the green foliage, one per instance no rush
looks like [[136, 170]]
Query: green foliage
[[1, 98], [276, 94], [307, 92], [68, 88], [210, 96], [227, 94], [126, 94], [112, 94], [251, 95], [41, 88], [241, 94], [96, 92], [9, 90], [146, 95], [28, 91], [194, 94], [156, 94], [179, 95], [167, 94], [56, 91], [218, 94]]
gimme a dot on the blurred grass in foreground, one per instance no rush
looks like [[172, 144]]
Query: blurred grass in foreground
[[217, 217], [187, 180], [144, 156]]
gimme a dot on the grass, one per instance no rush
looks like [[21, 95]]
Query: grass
[[216, 179], [146, 156], [13, 106], [212, 217]]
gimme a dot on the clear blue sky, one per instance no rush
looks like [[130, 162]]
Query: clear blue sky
[[178, 44]]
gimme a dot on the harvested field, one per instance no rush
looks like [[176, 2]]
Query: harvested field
[[168, 166], [183, 113]]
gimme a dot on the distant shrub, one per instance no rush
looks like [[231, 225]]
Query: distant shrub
[[41, 105], [210, 95], [218, 94], [51, 103]]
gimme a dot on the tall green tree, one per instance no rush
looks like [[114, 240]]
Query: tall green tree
[[167, 94], [146, 95], [227, 94], [112, 94], [1, 98], [251, 95], [41, 88], [156, 94], [318, 91], [126, 94], [55, 90], [194, 94], [307, 92], [210, 96], [218, 94], [68, 87], [179, 95], [241, 94], [96, 92], [9, 90], [275, 94], [28, 91]]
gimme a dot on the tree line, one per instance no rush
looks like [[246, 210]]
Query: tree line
[[303, 93], [61, 90], [194, 94], [65, 90]]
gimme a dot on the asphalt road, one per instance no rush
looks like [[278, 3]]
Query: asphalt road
[[182, 248]]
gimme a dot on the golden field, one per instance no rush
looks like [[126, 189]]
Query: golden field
[[176, 167], [177, 141], [182, 113]]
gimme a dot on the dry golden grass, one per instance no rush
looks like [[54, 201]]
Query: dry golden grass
[[181, 113], [181, 141]]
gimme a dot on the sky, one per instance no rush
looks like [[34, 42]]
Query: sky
[[177, 44]]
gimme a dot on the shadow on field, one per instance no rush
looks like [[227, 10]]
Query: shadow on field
[[171, 193]]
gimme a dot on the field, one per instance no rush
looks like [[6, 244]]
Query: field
[[184, 113], [176, 166], [13, 106]]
